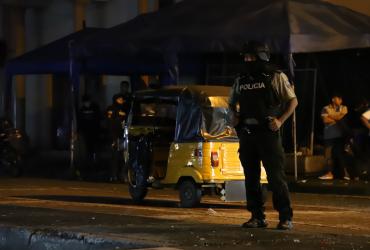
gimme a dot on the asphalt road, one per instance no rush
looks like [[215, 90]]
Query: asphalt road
[[321, 221]]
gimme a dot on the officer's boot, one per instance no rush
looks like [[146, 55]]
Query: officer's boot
[[256, 221]]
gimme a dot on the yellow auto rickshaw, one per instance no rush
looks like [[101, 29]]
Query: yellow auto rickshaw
[[182, 137]]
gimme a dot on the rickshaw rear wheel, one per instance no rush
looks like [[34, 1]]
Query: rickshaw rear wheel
[[190, 194]]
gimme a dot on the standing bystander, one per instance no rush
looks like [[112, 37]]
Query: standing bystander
[[333, 117], [88, 130], [117, 116]]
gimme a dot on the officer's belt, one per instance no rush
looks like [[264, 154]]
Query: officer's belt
[[250, 121]]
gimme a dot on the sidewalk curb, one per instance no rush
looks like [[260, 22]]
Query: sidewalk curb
[[19, 238]]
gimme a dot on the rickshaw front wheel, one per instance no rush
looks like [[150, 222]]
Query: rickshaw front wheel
[[138, 193], [190, 194], [137, 186]]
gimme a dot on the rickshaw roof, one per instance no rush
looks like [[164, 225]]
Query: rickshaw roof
[[190, 91]]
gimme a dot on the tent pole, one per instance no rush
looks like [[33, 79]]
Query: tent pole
[[10, 101], [8, 96], [295, 146], [313, 111], [294, 121], [74, 83]]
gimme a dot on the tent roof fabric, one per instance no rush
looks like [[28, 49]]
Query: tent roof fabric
[[151, 42], [50, 58], [221, 26]]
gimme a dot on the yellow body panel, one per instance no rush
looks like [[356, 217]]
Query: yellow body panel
[[194, 160]]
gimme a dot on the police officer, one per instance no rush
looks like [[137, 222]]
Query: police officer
[[262, 100], [117, 115]]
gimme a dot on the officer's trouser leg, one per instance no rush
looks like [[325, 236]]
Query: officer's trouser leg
[[273, 161], [250, 160]]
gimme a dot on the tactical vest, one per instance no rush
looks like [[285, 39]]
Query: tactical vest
[[258, 99]]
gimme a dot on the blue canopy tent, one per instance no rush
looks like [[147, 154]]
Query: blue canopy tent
[[214, 26], [53, 58], [50, 58], [59, 57]]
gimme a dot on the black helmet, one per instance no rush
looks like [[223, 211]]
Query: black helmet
[[259, 49]]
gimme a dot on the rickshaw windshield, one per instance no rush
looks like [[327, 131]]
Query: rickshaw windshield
[[217, 119], [154, 112]]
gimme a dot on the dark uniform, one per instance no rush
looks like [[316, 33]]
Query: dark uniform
[[89, 129], [261, 94], [116, 116]]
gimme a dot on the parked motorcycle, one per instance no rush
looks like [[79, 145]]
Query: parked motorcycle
[[13, 148]]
